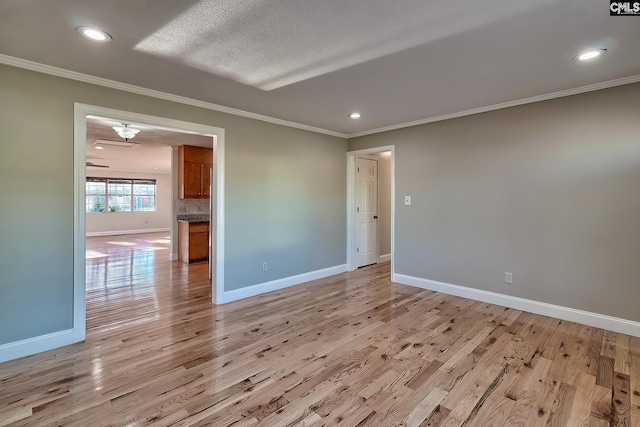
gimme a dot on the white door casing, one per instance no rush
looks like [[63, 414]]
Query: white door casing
[[81, 111], [366, 192]]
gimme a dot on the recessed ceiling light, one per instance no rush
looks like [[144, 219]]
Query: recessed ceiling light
[[354, 115], [98, 147], [94, 34], [589, 54]]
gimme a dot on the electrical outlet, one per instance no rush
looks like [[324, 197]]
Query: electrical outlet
[[407, 200], [508, 278], [264, 266]]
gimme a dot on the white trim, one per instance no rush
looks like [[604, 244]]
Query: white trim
[[216, 219], [121, 232], [79, 223], [384, 258], [597, 320], [86, 78], [81, 111], [351, 185], [285, 282], [18, 349], [173, 257], [530, 100], [99, 81]]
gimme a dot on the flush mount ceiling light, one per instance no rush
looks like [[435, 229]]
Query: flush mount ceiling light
[[95, 34], [355, 115], [99, 147], [125, 131], [589, 55]]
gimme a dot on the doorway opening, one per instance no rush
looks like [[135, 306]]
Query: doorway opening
[[370, 206], [85, 118]]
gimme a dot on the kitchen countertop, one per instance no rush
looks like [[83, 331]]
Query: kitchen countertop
[[193, 217]]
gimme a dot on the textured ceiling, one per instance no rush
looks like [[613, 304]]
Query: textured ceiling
[[273, 44], [313, 62]]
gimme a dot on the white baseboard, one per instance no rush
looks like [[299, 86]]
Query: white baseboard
[[274, 285], [173, 257], [121, 232], [17, 349], [597, 320], [384, 258]]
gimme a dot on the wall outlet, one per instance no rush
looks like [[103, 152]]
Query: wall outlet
[[508, 278], [264, 266]]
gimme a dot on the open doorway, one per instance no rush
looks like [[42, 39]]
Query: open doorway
[[83, 120], [370, 206], [130, 214]]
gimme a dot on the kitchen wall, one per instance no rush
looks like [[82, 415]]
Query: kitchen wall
[[285, 196], [106, 223], [547, 191]]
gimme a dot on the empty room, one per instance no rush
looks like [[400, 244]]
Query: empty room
[[365, 213]]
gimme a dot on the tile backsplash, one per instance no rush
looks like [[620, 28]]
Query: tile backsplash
[[192, 206]]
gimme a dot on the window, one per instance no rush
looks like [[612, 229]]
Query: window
[[120, 195]]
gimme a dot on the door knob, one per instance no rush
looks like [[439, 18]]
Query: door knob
[[375, 217]]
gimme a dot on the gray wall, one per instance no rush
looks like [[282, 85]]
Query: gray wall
[[285, 196], [548, 191], [105, 222], [384, 202]]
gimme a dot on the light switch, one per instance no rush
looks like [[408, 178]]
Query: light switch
[[407, 200]]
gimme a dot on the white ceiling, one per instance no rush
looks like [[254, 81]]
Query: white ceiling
[[314, 62], [151, 151]]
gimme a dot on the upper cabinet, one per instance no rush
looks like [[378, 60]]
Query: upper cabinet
[[194, 172]]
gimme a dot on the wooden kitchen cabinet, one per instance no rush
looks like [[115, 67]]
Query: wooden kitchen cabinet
[[194, 172], [193, 241]]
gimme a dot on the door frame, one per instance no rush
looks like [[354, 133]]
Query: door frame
[[80, 113], [351, 202]]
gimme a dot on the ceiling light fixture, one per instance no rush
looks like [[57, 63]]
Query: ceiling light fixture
[[355, 115], [99, 147], [125, 131], [95, 34], [590, 54]]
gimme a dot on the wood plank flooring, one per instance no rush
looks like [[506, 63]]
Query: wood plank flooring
[[349, 350]]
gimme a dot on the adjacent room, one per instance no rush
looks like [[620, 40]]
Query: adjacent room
[[364, 213], [137, 222]]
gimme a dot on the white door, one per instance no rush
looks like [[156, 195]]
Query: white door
[[366, 211]]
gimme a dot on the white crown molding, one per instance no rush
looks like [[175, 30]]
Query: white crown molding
[[597, 320], [86, 78], [531, 100]]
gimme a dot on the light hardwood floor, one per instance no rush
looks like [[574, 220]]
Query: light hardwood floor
[[349, 350]]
